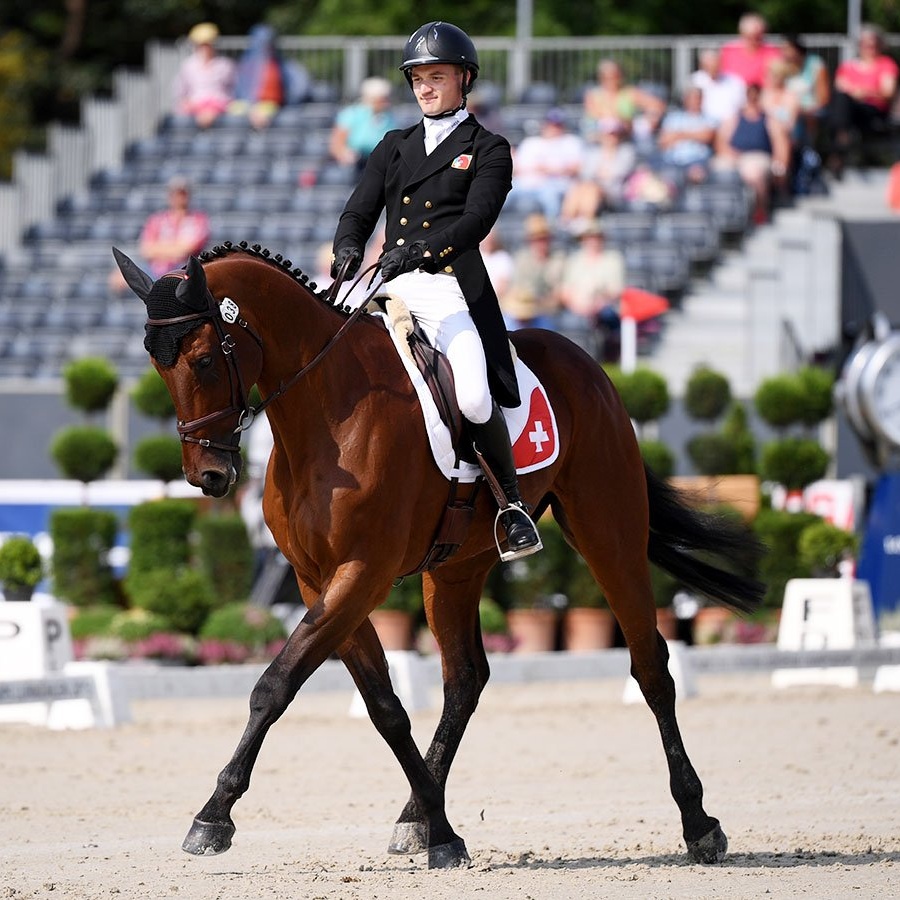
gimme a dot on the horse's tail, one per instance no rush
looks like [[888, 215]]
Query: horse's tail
[[680, 536]]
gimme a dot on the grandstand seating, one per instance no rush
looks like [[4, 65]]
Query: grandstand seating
[[275, 188]]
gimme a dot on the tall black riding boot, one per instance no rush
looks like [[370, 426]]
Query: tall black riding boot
[[492, 445]]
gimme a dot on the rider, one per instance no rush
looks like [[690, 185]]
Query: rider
[[442, 184]]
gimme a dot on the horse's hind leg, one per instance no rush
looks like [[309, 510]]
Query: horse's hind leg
[[431, 831], [619, 563], [451, 605]]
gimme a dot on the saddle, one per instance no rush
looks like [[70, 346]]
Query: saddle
[[438, 376]]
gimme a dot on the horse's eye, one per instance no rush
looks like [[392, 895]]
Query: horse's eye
[[204, 362]]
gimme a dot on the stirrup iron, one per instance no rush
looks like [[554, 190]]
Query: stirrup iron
[[511, 554]]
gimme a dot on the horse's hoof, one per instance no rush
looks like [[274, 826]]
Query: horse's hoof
[[409, 837], [448, 856], [711, 848], [208, 838]]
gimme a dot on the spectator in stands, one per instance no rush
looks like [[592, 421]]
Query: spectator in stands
[[723, 93], [205, 80], [808, 78], [360, 127], [265, 81], [749, 55], [606, 166], [758, 148], [546, 164], [497, 261], [531, 298], [863, 90], [593, 279], [686, 137], [780, 102], [170, 236], [611, 100]]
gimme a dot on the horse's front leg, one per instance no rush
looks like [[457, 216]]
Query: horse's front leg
[[365, 660], [451, 605], [326, 625]]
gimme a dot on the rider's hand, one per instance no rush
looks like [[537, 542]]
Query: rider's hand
[[348, 251], [398, 260]]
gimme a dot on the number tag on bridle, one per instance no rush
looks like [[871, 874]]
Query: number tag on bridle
[[229, 310]]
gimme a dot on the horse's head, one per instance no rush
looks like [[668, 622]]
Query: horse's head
[[209, 357]]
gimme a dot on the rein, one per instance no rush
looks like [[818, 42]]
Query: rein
[[228, 311]]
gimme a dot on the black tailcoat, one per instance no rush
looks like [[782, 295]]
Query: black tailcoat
[[450, 199]]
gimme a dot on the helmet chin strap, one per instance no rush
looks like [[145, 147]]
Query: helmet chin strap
[[449, 112]]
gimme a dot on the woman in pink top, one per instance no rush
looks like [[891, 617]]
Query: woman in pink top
[[863, 90], [204, 84]]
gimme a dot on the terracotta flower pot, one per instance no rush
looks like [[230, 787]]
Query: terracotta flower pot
[[394, 628], [667, 623], [588, 628], [534, 630], [714, 625]]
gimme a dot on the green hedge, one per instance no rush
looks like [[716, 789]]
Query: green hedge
[[245, 624], [226, 556], [82, 540], [182, 598], [160, 535]]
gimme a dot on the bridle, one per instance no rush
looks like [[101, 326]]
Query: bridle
[[228, 312]]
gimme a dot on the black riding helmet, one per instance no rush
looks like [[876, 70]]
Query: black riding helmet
[[440, 42]]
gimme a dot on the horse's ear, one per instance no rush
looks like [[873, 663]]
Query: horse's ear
[[138, 280], [192, 291]]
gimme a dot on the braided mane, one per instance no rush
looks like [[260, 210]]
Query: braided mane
[[227, 248]]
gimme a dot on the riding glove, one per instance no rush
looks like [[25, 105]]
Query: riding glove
[[343, 253], [398, 260]]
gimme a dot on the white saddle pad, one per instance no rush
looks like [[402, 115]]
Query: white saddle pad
[[532, 426]]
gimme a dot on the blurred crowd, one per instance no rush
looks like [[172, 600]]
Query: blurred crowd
[[766, 112]]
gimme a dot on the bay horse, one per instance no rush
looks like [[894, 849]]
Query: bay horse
[[352, 497]]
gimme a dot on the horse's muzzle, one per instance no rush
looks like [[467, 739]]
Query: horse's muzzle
[[214, 483]]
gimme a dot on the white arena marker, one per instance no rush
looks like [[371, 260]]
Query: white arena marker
[[408, 676], [887, 678], [680, 670], [824, 614]]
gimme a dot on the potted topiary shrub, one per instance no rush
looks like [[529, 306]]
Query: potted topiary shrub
[[707, 394], [21, 568], [793, 462], [536, 588], [588, 623], [823, 548], [658, 457], [644, 393], [395, 619], [494, 628], [157, 455], [82, 541]]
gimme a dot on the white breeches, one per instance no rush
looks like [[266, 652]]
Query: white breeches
[[438, 304]]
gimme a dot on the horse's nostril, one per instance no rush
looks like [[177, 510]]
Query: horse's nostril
[[214, 482]]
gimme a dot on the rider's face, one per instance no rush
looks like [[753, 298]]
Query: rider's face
[[438, 87]]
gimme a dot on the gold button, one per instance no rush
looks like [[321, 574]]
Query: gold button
[[427, 204], [406, 200], [426, 224], [448, 270], [400, 242], [404, 220]]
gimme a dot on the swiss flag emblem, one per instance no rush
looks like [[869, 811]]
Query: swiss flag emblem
[[537, 442]]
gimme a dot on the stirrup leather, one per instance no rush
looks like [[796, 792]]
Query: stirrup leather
[[511, 554]]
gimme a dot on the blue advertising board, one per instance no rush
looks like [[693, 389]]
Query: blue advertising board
[[879, 561]]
